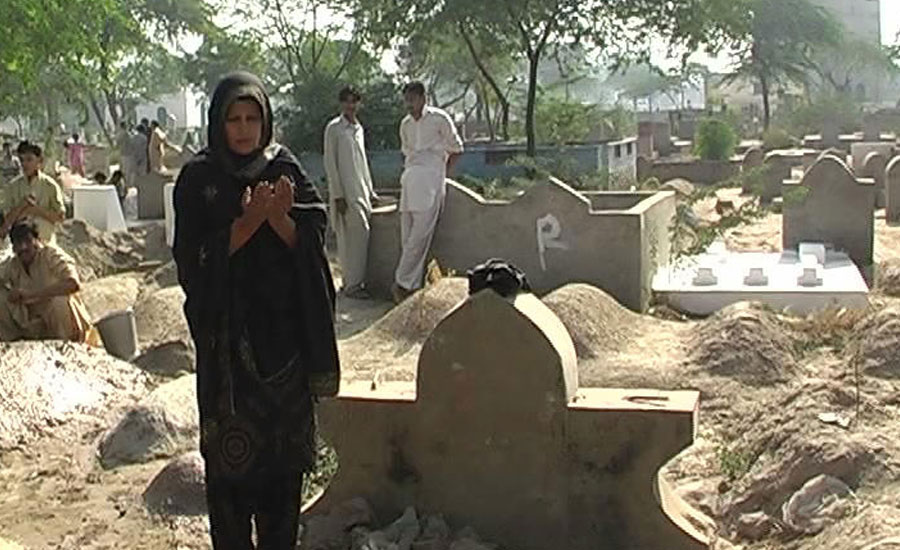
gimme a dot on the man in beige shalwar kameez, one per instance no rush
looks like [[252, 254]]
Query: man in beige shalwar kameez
[[39, 292]]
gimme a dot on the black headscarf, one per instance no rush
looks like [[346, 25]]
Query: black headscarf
[[233, 87]]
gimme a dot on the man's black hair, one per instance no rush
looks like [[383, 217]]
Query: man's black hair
[[27, 147], [21, 230], [347, 92], [414, 87]]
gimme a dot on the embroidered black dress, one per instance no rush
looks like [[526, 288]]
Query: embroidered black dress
[[262, 320]]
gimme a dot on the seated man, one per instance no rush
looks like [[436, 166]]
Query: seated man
[[34, 196], [38, 292]]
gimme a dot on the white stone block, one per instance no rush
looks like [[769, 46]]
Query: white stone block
[[99, 206]]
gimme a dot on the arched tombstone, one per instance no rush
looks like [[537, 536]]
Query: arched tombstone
[[753, 159], [778, 168], [830, 206], [892, 190], [496, 434], [874, 167]]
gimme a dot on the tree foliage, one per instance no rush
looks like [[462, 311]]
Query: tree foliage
[[780, 45], [620, 28], [715, 140]]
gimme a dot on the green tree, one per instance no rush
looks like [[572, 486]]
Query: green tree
[[716, 140], [620, 28], [222, 53], [780, 45]]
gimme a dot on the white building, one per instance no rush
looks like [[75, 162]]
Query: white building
[[186, 106]]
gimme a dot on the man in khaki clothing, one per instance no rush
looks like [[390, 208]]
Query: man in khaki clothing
[[39, 292], [33, 196]]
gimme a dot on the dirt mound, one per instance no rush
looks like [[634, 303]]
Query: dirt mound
[[744, 341], [160, 318], [109, 294], [179, 488], [877, 343], [49, 384], [389, 349], [415, 318], [595, 321], [100, 254]]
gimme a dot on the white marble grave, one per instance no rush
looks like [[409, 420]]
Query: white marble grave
[[99, 206], [802, 282]]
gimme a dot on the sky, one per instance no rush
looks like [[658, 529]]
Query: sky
[[890, 20], [890, 27]]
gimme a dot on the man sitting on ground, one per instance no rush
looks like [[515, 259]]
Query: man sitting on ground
[[33, 196], [39, 292]]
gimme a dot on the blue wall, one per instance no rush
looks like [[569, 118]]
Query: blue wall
[[491, 161]]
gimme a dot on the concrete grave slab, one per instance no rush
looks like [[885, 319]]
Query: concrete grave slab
[[556, 235], [892, 190], [496, 434], [830, 205], [99, 206], [704, 284], [874, 167]]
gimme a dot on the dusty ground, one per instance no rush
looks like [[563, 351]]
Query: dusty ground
[[764, 378]]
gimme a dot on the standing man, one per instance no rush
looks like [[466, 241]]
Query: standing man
[[431, 146], [140, 145], [350, 191], [33, 196]]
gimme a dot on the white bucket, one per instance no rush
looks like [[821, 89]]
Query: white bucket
[[119, 333]]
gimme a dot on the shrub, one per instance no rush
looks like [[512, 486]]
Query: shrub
[[715, 140], [777, 139]]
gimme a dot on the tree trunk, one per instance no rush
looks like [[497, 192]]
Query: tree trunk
[[531, 147], [501, 97], [98, 112], [767, 112]]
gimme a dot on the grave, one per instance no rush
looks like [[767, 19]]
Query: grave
[[874, 167], [99, 206], [892, 191], [805, 280], [830, 205], [150, 195], [753, 158], [612, 240], [495, 433], [645, 146], [859, 152]]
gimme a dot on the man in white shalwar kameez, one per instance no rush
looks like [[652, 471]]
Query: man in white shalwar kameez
[[350, 192], [431, 146]]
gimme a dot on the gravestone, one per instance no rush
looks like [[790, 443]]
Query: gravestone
[[892, 190], [662, 138], [151, 205], [753, 158], [496, 434], [874, 167], [859, 152], [778, 168], [831, 206], [871, 128]]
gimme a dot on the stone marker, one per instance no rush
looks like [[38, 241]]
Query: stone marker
[[874, 167], [645, 139], [831, 206], [753, 158], [496, 434], [859, 152], [892, 190], [871, 128], [643, 168]]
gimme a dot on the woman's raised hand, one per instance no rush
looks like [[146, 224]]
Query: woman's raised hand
[[282, 198]]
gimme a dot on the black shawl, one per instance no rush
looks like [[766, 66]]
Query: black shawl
[[262, 319]]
